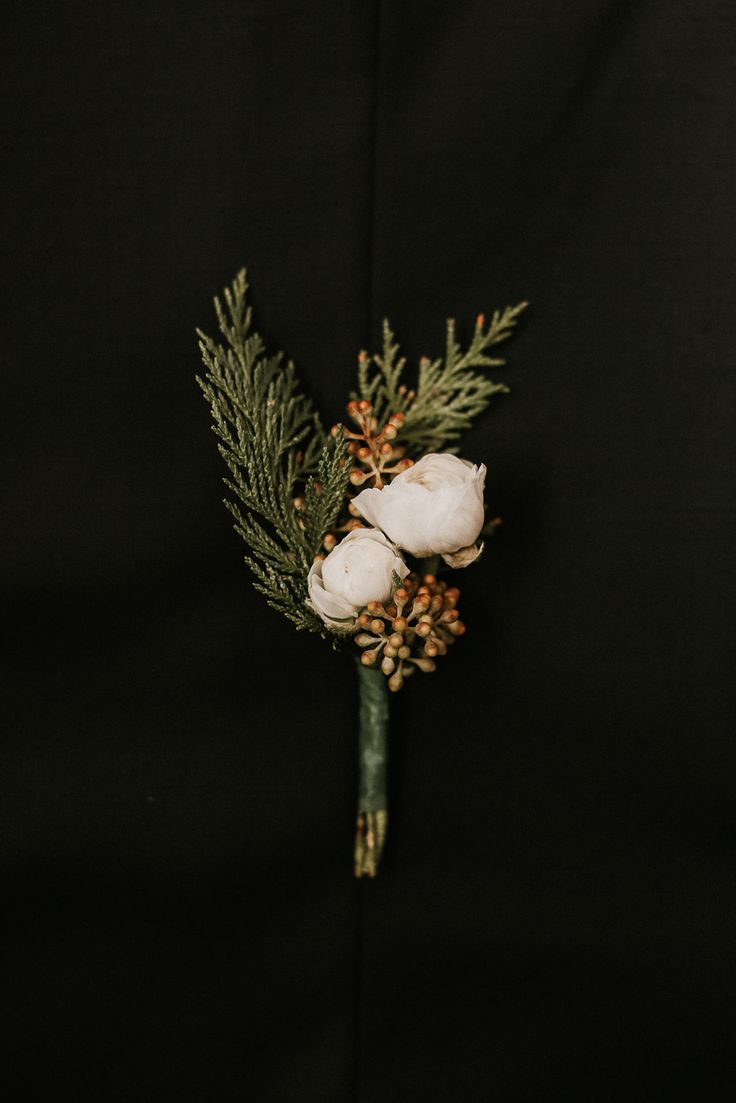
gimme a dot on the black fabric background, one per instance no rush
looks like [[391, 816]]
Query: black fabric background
[[554, 919]]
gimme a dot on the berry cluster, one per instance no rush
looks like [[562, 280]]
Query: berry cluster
[[372, 447], [417, 625]]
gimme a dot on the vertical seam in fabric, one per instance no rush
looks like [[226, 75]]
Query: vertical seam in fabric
[[360, 925]]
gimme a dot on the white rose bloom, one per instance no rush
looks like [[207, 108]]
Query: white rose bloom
[[360, 569], [432, 508]]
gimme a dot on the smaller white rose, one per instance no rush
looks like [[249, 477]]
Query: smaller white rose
[[360, 569], [432, 508]]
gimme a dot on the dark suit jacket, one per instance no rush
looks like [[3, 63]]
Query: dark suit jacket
[[554, 919]]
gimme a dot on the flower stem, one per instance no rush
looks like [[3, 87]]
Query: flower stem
[[372, 820]]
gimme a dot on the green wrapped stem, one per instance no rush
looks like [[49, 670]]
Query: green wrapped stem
[[373, 771]]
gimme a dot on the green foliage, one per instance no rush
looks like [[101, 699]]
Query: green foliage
[[274, 446], [449, 392]]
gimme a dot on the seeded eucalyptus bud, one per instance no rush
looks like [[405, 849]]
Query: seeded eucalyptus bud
[[395, 682]]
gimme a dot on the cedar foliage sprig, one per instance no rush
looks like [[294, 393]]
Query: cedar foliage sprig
[[274, 446], [449, 392]]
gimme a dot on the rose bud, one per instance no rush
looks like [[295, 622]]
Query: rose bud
[[433, 508], [358, 571]]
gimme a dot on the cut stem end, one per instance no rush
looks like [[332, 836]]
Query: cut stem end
[[370, 835]]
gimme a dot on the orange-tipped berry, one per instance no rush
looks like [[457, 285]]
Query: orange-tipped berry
[[389, 431], [404, 651], [429, 580], [378, 627], [352, 407], [427, 666], [298, 503], [364, 406], [397, 419], [390, 652], [363, 639], [423, 629], [386, 450], [368, 658], [396, 639], [375, 607], [431, 649], [401, 596], [387, 665], [457, 628], [363, 620], [480, 321], [329, 542], [399, 624], [357, 477]]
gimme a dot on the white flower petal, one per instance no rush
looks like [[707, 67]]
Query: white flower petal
[[360, 569], [464, 557], [434, 507]]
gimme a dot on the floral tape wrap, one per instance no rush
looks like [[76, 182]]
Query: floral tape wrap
[[373, 746]]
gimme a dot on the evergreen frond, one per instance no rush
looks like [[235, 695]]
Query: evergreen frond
[[324, 495], [274, 447], [448, 392]]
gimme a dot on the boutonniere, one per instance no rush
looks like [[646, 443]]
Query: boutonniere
[[349, 529]]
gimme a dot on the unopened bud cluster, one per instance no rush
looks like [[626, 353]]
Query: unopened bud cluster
[[411, 630], [372, 447]]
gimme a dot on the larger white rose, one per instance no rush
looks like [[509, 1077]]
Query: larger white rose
[[360, 569], [432, 508]]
